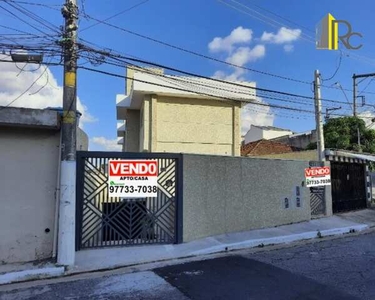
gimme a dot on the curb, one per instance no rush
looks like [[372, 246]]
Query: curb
[[50, 272], [280, 240], [31, 274]]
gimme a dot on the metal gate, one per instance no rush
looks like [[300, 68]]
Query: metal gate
[[317, 195], [103, 221], [348, 186]]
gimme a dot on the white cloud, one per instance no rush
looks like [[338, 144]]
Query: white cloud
[[256, 115], [236, 75], [240, 57], [244, 55], [102, 143], [288, 48], [44, 93], [284, 35], [238, 35]]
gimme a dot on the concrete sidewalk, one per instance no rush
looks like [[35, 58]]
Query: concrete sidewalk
[[109, 258]]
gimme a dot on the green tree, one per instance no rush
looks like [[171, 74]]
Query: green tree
[[342, 133]]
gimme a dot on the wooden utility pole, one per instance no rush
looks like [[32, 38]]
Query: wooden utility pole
[[66, 236], [318, 117]]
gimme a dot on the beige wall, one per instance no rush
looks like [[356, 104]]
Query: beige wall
[[298, 155], [28, 170], [82, 140], [132, 131], [232, 194], [190, 126]]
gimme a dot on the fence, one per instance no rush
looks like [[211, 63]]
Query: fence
[[104, 221]]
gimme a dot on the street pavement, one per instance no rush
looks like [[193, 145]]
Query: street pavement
[[325, 269]]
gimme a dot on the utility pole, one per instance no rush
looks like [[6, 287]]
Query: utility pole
[[354, 96], [355, 77], [66, 236], [318, 116]]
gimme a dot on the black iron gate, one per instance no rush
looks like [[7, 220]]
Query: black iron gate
[[103, 221], [317, 195], [348, 186]]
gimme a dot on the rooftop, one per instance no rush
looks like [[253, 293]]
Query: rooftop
[[148, 82], [264, 147], [271, 128], [29, 117]]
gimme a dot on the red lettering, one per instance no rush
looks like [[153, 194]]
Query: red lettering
[[133, 168], [317, 171]]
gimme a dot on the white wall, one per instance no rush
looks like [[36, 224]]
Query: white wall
[[255, 133], [28, 172], [270, 134]]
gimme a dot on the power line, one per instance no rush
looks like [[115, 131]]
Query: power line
[[337, 69], [201, 55], [24, 92], [46, 63], [116, 15], [195, 53], [244, 100], [23, 20], [310, 39], [204, 77], [303, 36], [33, 16], [283, 18], [50, 6], [366, 86]]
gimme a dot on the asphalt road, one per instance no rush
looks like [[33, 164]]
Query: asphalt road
[[330, 269]]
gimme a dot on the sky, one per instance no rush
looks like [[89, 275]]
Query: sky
[[271, 36]]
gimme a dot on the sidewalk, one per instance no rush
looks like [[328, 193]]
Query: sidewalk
[[28, 271], [109, 258]]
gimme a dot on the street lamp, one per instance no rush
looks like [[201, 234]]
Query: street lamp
[[27, 58]]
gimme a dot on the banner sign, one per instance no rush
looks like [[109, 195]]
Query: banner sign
[[133, 178], [318, 176]]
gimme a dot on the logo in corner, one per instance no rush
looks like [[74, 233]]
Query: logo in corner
[[327, 34]]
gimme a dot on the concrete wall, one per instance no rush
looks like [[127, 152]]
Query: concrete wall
[[231, 194], [298, 155], [299, 141], [132, 131], [29, 161], [254, 134], [82, 140]]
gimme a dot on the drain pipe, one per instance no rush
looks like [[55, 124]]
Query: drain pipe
[[57, 203]]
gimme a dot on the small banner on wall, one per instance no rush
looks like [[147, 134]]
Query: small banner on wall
[[318, 176], [133, 178]]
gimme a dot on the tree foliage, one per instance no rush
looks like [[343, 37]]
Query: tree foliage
[[342, 133]]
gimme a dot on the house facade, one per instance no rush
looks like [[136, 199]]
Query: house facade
[[163, 113], [30, 143]]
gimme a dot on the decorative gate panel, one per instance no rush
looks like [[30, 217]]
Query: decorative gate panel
[[104, 221], [317, 200], [317, 195]]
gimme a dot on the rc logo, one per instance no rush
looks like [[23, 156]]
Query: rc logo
[[327, 34]]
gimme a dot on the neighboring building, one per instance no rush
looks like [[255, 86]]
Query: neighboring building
[[308, 155], [266, 147], [350, 176], [159, 113], [300, 140], [257, 133], [29, 185]]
